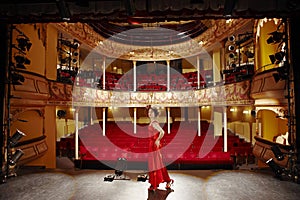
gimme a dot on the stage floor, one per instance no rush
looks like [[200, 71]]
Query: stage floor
[[71, 184]]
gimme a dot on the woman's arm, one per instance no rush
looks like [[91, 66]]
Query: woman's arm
[[161, 133]]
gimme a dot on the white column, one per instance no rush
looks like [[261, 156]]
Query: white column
[[198, 73], [168, 75], [199, 121], [134, 75], [103, 121], [91, 112], [225, 128], [169, 124], [76, 135], [134, 120], [103, 68]]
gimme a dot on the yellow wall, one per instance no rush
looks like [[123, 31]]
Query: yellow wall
[[49, 159], [263, 48], [36, 54], [51, 52], [33, 128], [270, 125]]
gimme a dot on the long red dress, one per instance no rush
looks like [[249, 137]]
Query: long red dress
[[157, 170]]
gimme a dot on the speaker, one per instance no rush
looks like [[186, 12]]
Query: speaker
[[61, 113]]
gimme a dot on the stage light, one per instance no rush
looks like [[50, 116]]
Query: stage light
[[109, 178], [229, 7], [233, 65], [275, 37], [24, 43], [21, 61], [63, 10], [281, 74], [15, 157], [275, 168], [74, 45], [17, 79], [277, 57], [231, 38], [231, 47], [277, 152], [244, 39], [142, 177], [13, 140], [231, 55]]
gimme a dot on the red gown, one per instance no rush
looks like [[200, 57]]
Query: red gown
[[157, 170]]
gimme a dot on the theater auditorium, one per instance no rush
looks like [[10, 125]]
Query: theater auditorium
[[78, 78]]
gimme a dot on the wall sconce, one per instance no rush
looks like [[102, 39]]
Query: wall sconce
[[246, 112]]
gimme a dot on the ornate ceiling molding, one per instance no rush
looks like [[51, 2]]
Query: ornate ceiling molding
[[219, 30]]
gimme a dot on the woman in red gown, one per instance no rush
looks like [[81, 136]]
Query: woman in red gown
[[157, 171]]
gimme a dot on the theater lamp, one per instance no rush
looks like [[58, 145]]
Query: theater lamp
[[275, 37], [24, 43], [15, 138], [14, 158], [17, 79], [277, 152], [21, 61], [275, 168]]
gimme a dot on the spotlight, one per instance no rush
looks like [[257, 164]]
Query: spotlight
[[118, 172], [63, 10], [109, 178], [275, 37], [142, 177], [16, 137], [231, 38], [275, 168], [21, 61], [244, 39], [68, 43], [231, 55], [233, 65], [281, 74], [24, 43], [17, 79], [231, 47], [277, 57], [229, 7], [277, 152], [15, 157]]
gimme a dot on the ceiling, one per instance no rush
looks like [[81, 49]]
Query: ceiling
[[141, 11], [147, 23]]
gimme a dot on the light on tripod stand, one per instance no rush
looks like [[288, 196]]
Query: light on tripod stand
[[275, 168], [277, 152], [15, 157]]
